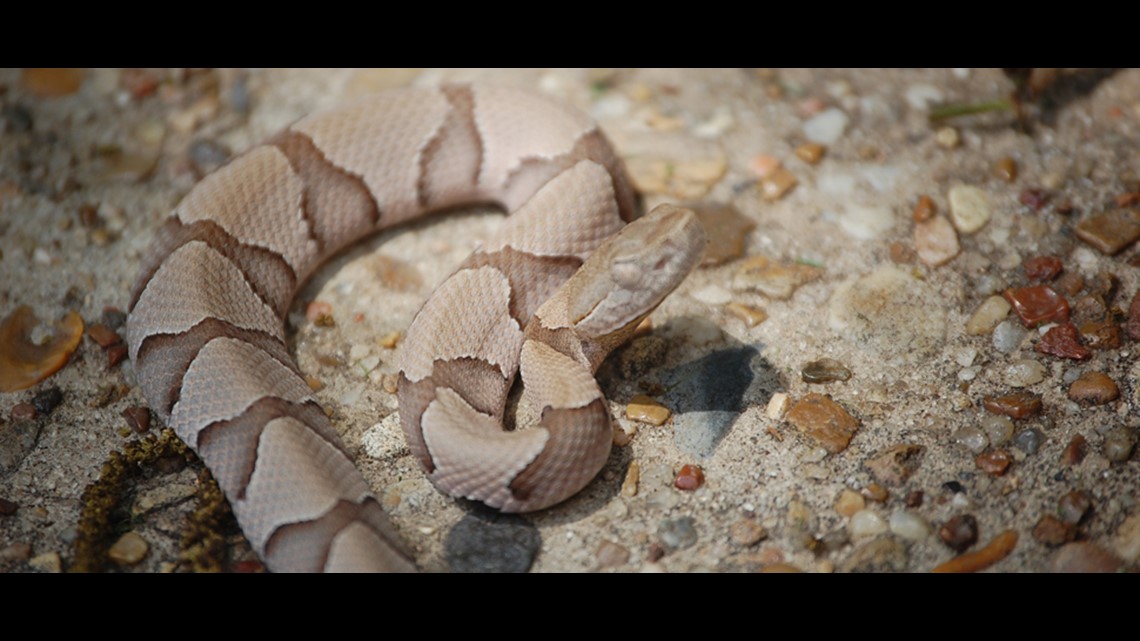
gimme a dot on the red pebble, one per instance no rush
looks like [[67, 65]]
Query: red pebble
[[1041, 268], [690, 478], [1037, 305], [1064, 341]]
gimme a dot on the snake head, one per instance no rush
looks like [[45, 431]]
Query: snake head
[[629, 275]]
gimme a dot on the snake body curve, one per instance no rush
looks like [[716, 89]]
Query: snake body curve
[[550, 295]]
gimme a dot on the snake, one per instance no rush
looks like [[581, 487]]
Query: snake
[[567, 278]]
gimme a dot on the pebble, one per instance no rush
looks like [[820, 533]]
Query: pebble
[[1083, 557], [138, 418], [45, 401], [810, 152], [824, 370], [1103, 334], [689, 478], [826, 127], [16, 552], [1053, 532], [719, 122], [896, 464], [103, 336], [129, 549], [747, 532], [726, 230], [875, 492], [1008, 336], [52, 82], [677, 534], [824, 421], [1063, 341], [483, 543], [778, 280], [969, 208], [986, 317], [998, 429], [1016, 405], [865, 223], [1042, 268], [936, 241], [960, 532], [921, 95], [879, 555], [914, 498], [712, 294], [865, 523], [924, 209], [1075, 451], [1095, 388], [1023, 373], [1111, 231], [22, 412], [611, 555], [8, 508], [47, 562], [777, 184], [849, 502], [947, 137], [646, 410], [997, 549], [1074, 506], [777, 406], [908, 525], [1029, 441], [630, 482], [1006, 169], [994, 462], [1118, 444], [25, 361], [763, 165], [971, 438], [752, 316]]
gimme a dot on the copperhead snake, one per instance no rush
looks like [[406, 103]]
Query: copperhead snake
[[564, 282]]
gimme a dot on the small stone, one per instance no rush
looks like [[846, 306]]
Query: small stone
[[22, 412], [752, 316], [998, 429], [1035, 199], [971, 438], [994, 462], [960, 532], [1074, 506], [1024, 372], [138, 418], [947, 137], [747, 532], [1118, 444], [7, 508], [824, 370], [1037, 305], [1042, 268], [103, 336], [611, 555], [319, 313], [677, 534], [1006, 169], [824, 421], [116, 354], [52, 82], [712, 294], [630, 482], [908, 525], [777, 184], [896, 464], [1008, 336], [1083, 557], [936, 241], [865, 523], [1063, 341], [1103, 334], [987, 316], [1094, 388], [47, 562], [920, 96], [1016, 405], [997, 549], [826, 127], [924, 209], [1029, 441], [914, 498], [16, 552], [875, 492], [969, 208], [901, 254], [811, 152], [1053, 532], [726, 229], [1110, 232], [45, 401], [764, 165], [689, 478], [646, 410], [1075, 451], [775, 280], [864, 223], [849, 503]]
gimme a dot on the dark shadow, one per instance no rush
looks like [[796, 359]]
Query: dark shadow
[[1068, 87]]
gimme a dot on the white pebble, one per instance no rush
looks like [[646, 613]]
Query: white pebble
[[357, 352], [909, 525], [968, 373], [713, 295], [919, 96], [777, 405], [41, 256], [720, 122], [999, 429], [969, 208], [1024, 372], [826, 127], [611, 105], [971, 438], [866, 523], [866, 223], [965, 356], [987, 316], [1007, 336]]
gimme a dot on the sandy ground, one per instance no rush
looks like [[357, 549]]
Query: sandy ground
[[86, 177]]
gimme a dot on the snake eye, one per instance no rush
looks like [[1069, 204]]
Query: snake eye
[[625, 274]]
